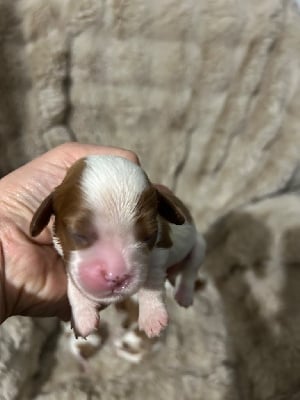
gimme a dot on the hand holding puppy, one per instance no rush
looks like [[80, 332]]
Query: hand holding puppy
[[117, 237], [32, 275]]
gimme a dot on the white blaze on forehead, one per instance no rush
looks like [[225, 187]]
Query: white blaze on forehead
[[113, 185]]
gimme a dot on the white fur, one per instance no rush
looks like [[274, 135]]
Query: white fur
[[112, 186], [56, 243], [183, 237]]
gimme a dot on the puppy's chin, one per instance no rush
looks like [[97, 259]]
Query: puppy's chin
[[114, 295]]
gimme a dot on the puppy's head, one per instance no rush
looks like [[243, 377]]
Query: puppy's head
[[106, 224]]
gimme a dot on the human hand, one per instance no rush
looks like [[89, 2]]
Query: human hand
[[32, 276]]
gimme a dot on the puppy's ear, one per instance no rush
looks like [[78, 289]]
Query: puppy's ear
[[169, 206], [42, 216]]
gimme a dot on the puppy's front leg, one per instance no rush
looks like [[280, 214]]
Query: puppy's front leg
[[153, 316], [191, 264], [85, 315]]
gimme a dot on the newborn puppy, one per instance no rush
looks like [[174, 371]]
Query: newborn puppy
[[118, 235]]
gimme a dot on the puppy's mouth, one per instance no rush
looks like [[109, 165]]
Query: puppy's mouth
[[116, 291], [127, 287], [119, 287]]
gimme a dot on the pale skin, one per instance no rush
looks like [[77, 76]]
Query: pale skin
[[32, 276]]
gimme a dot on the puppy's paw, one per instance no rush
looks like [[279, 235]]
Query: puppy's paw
[[153, 322], [184, 296], [134, 345], [85, 321], [83, 348]]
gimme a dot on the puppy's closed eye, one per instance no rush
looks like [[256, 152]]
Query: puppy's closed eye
[[80, 239], [80, 229]]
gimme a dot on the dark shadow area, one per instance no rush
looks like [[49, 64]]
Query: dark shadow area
[[257, 273]]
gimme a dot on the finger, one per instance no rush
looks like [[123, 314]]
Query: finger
[[68, 153], [64, 312]]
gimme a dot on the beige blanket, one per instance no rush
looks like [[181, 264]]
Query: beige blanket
[[208, 94]]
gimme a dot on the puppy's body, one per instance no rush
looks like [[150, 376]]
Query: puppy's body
[[118, 235]]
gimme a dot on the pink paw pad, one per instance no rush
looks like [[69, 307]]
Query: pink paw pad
[[153, 324]]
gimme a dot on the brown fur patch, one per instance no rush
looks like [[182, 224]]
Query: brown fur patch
[[157, 202], [171, 207], [42, 216], [165, 241], [146, 226], [72, 218]]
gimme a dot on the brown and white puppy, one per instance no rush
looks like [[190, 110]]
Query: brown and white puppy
[[118, 235]]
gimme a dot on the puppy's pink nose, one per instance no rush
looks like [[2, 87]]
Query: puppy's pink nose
[[98, 277], [115, 281]]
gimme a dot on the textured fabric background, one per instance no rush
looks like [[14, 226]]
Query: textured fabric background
[[206, 92]]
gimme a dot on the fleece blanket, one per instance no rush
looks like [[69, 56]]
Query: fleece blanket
[[208, 94]]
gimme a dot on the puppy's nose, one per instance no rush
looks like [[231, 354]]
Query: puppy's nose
[[99, 278], [115, 281]]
